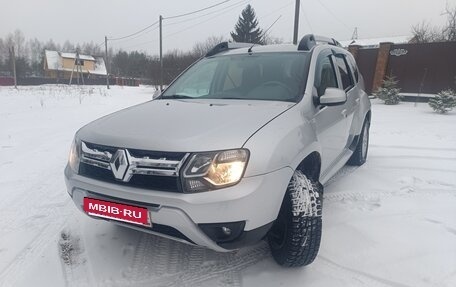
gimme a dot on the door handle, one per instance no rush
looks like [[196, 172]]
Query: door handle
[[344, 113]]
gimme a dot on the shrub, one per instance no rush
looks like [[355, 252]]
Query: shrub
[[389, 92], [443, 102]]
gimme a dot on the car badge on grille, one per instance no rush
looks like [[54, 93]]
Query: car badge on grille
[[119, 164]]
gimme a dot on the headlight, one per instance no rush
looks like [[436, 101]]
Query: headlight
[[213, 170], [74, 157]]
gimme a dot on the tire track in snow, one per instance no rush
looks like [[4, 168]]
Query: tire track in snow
[[418, 157], [343, 172], [48, 218], [163, 262], [73, 259], [365, 278], [411, 147], [413, 168], [25, 258], [340, 196]]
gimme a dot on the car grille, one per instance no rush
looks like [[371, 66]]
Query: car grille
[[143, 169]]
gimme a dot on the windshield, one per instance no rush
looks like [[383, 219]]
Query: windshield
[[262, 76]]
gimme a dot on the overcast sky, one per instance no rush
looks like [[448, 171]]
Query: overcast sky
[[91, 20]]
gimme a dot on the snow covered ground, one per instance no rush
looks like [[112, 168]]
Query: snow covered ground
[[391, 222]]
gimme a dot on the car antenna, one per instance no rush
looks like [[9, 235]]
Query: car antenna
[[264, 33]]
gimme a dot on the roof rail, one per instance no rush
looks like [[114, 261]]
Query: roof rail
[[224, 46], [309, 41]]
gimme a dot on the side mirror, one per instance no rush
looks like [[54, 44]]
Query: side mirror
[[333, 97], [156, 94]]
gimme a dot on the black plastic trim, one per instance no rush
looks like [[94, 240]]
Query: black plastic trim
[[354, 143], [248, 237]]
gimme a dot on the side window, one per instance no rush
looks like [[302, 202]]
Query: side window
[[345, 74], [325, 76]]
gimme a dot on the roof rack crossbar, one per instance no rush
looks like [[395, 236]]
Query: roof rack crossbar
[[309, 41], [224, 46]]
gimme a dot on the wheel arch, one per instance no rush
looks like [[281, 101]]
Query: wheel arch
[[311, 165], [368, 116]]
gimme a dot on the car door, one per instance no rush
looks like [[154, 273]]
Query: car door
[[330, 121], [347, 83]]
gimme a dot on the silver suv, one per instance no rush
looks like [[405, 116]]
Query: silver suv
[[235, 150]]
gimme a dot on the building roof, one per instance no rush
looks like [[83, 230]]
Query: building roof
[[54, 62], [374, 42], [73, 56]]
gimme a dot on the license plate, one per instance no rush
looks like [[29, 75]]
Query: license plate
[[117, 211]]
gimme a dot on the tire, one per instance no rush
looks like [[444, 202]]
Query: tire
[[359, 156], [294, 238]]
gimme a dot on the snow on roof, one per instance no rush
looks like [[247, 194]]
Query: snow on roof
[[374, 42], [100, 67], [73, 56], [53, 59]]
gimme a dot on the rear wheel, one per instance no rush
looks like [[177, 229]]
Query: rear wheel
[[359, 156], [295, 237]]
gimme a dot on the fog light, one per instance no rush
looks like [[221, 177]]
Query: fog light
[[226, 231], [223, 232]]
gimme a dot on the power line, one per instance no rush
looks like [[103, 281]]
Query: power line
[[138, 36], [133, 34], [196, 11], [276, 10], [196, 24], [198, 17], [306, 19], [270, 26], [99, 45], [333, 14]]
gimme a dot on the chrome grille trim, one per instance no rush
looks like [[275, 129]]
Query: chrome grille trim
[[95, 154], [97, 163], [136, 165]]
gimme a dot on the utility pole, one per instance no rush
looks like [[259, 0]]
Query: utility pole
[[160, 19], [355, 34], [13, 56], [296, 22], [106, 62]]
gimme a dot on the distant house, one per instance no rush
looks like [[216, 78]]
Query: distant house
[[59, 65], [374, 42]]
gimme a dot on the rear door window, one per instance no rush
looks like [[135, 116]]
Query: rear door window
[[345, 73]]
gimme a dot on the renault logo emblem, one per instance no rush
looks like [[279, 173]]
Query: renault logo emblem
[[119, 164]]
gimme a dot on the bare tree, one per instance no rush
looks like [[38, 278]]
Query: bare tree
[[449, 31], [201, 48], [270, 40], [425, 33], [35, 48], [19, 41], [3, 51], [68, 47]]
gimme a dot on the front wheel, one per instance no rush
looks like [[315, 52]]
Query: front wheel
[[295, 236]]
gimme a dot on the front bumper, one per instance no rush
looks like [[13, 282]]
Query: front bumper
[[255, 201]]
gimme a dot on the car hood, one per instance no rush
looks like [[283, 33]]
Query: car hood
[[183, 125]]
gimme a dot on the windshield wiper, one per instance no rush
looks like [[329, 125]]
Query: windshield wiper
[[176, 97], [232, 98]]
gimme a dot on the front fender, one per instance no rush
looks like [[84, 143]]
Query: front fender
[[283, 142]]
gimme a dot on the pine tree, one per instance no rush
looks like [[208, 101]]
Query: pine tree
[[246, 29], [389, 92], [443, 102]]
